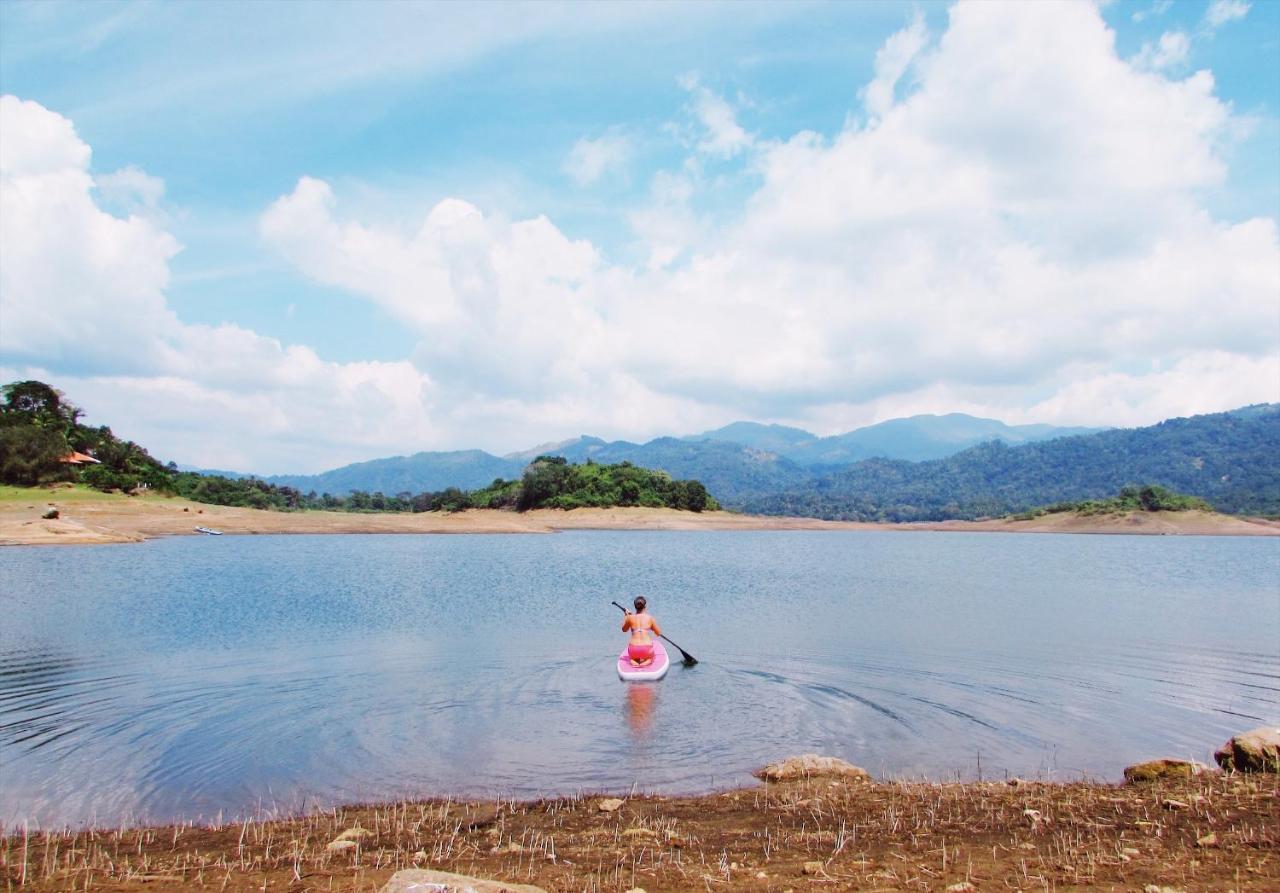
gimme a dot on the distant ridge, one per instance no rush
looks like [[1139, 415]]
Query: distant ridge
[[916, 438], [467, 469], [1229, 459], [736, 471], [923, 467]]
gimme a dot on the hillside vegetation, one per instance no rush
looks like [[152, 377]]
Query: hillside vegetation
[[1151, 498], [1227, 459], [737, 461], [39, 428]]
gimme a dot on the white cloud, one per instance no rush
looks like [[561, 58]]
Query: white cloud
[[892, 60], [1022, 235], [721, 136], [591, 159], [667, 226], [1200, 382], [501, 305], [969, 244], [1222, 11], [1170, 51], [1158, 8], [131, 190], [78, 284], [82, 305]]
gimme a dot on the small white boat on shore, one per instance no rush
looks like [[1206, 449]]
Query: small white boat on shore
[[209, 531]]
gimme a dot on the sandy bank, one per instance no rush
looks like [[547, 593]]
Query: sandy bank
[[1208, 833], [90, 518]]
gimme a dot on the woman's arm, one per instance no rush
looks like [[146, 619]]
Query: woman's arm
[[626, 622]]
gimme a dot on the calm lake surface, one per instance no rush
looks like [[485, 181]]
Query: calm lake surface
[[194, 676]]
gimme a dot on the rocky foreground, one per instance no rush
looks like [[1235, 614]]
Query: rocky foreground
[[814, 824]]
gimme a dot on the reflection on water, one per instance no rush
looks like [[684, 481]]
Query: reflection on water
[[196, 676], [642, 697]]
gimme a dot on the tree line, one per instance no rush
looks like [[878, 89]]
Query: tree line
[[1148, 498], [40, 429], [1227, 459]]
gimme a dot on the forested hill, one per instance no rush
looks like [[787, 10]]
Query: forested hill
[[734, 461], [917, 438], [1229, 459]]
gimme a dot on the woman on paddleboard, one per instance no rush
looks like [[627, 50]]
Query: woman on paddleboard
[[641, 626]]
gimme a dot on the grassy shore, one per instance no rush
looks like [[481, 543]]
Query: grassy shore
[[86, 516], [1209, 833]]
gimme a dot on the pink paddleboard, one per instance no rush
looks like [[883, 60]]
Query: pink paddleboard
[[649, 672]]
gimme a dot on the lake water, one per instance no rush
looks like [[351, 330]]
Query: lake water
[[193, 676]]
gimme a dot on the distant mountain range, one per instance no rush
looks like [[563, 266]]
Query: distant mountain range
[[733, 461], [1230, 459], [915, 439], [918, 468]]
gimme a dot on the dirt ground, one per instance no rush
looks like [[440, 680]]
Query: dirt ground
[[86, 517], [1209, 833]]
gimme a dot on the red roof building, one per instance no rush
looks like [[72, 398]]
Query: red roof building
[[74, 458]]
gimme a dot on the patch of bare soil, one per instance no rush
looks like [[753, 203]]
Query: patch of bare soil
[[124, 519], [1207, 833]]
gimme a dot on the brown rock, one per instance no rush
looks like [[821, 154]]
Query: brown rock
[[482, 817], [812, 868], [1255, 751], [810, 765], [355, 833], [417, 880], [1157, 770]]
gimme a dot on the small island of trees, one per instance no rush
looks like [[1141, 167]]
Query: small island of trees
[[1148, 498]]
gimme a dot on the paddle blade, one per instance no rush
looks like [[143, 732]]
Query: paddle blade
[[689, 659]]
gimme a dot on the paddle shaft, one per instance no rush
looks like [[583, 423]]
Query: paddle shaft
[[688, 658]]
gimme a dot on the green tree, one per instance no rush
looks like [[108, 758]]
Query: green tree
[[35, 402], [31, 455]]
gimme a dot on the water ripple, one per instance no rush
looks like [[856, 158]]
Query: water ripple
[[163, 681]]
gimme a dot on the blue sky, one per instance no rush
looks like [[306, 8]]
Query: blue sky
[[673, 146]]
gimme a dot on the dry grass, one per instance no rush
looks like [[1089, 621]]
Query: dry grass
[[92, 517], [807, 836]]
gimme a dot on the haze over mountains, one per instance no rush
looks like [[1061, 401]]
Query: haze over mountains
[[729, 458], [916, 438], [921, 468]]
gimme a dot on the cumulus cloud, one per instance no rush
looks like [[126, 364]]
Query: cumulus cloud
[[82, 304], [892, 60], [966, 242], [1170, 51], [503, 306], [720, 134], [1158, 8], [78, 285], [131, 190], [590, 159], [1020, 233], [1222, 11]]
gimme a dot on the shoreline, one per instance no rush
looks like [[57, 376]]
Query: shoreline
[[1215, 831], [92, 518]]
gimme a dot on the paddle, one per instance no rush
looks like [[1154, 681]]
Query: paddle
[[689, 659]]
